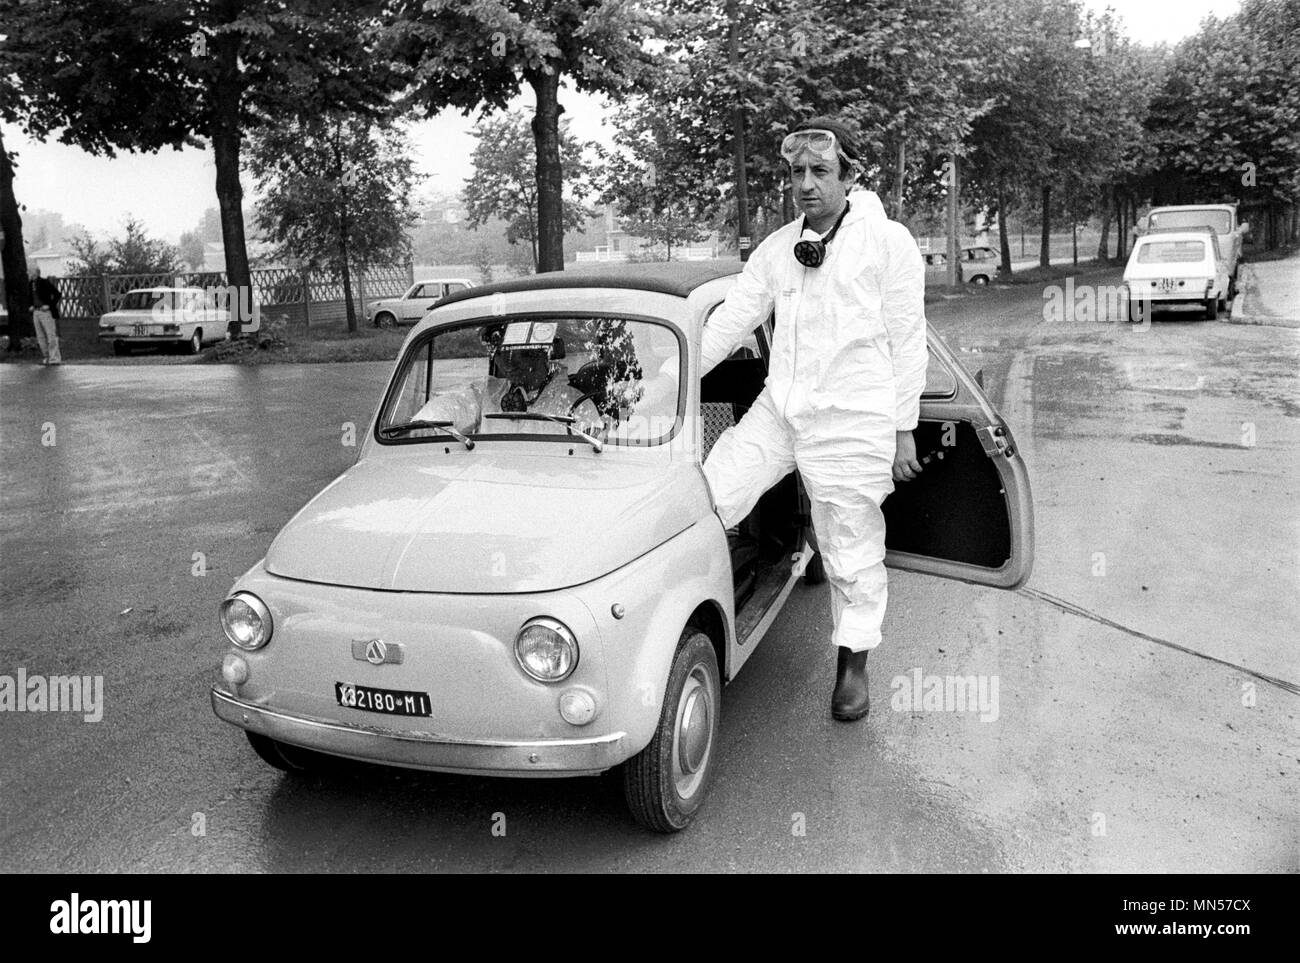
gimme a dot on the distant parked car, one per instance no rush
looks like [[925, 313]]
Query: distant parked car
[[177, 317], [1222, 219], [979, 264], [410, 307], [936, 268], [1176, 269]]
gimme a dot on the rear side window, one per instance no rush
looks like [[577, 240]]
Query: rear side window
[[1171, 252]]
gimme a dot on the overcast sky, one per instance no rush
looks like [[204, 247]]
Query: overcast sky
[[169, 191]]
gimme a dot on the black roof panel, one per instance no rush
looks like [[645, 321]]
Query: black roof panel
[[665, 277]]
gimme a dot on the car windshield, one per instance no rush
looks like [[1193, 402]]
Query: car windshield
[[145, 300], [1171, 252], [616, 378], [1220, 221]]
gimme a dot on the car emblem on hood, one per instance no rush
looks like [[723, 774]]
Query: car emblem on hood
[[376, 651]]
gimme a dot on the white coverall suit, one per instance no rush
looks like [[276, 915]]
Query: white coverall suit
[[847, 370]]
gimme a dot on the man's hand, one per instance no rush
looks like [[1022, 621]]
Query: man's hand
[[906, 467]]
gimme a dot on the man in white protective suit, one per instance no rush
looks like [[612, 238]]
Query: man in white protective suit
[[844, 382]]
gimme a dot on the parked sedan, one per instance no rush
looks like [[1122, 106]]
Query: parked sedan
[[178, 317], [523, 574], [411, 306], [1170, 269], [936, 268], [979, 264]]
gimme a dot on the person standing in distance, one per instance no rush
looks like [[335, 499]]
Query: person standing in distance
[[45, 317], [844, 382]]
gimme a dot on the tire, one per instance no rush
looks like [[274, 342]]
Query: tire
[[282, 756], [814, 572], [385, 319], [1135, 312], [196, 341], [120, 349], [666, 783], [980, 279], [1212, 309], [1232, 288]]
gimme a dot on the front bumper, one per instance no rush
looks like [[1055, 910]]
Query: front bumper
[[419, 750]]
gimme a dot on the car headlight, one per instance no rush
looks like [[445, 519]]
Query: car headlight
[[246, 621], [546, 650]]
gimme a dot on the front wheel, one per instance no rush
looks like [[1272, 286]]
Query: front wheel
[[980, 279], [385, 319], [666, 782], [120, 349]]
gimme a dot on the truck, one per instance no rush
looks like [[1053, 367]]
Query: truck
[[1221, 219]]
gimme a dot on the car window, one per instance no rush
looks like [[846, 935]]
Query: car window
[[939, 381], [1220, 221], [417, 291], [616, 375], [454, 286], [1171, 252]]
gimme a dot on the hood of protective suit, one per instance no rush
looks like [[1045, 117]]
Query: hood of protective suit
[[485, 522]]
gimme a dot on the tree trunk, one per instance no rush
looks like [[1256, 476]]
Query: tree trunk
[[349, 307], [226, 135], [1103, 246], [1074, 239], [550, 174], [1121, 234], [1004, 239], [18, 291], [1045, 244], [744, 241]]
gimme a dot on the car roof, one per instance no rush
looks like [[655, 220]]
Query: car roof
[[1191, 207], [166, 290], [1181, 234], [444, 281], [678, 278]]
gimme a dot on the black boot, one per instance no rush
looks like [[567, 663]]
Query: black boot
[[851, 700]]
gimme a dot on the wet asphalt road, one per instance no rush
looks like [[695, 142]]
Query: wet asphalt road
[[1167, 539]]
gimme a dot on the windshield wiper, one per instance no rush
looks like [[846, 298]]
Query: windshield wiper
[[567, 421], [393, 430]]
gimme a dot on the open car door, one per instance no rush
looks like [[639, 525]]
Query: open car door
[[968, 515]]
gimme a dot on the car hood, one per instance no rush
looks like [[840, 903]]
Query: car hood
[[482, 523]]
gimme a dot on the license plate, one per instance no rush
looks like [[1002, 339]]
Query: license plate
[[1166, 284], [137, 329], [390, 702]]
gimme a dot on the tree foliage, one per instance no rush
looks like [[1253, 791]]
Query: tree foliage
[[135, 252], [504, 183], [479, 54], [336, 192]]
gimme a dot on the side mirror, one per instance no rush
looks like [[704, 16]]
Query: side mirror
[[1245, 228], [979, 378]]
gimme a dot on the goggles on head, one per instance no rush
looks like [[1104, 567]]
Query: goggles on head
[[819, 141]]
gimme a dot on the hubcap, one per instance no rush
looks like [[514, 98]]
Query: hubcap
[[693, 733]]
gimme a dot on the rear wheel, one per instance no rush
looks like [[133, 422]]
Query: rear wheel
[[281, 755], [196, 341], [1211, 309], [666, 782], [980, 279], [120, 348]]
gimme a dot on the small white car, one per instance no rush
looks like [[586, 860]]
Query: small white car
[[184, 317], [1168, 269], [410, 307]]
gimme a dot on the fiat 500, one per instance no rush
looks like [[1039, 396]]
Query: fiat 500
[[523, 573]]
